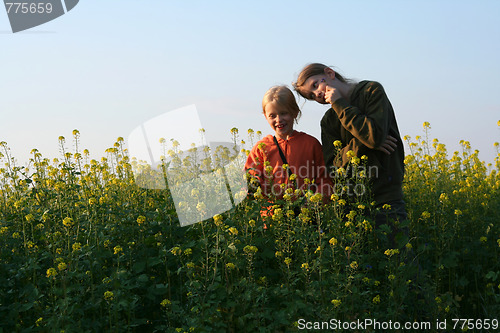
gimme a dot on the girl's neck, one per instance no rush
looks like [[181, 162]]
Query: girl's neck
[[345, 89], [286, 137]]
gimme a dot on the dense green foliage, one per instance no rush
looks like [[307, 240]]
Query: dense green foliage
[[83, 248]]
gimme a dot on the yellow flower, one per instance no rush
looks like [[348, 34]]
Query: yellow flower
[[233, 231], [176, 251], [438, 300], [190, 265], [458, 212], [108, 296], [288, 261], [316, 198], [354, 265], [251, 223], [338, 143], [117, 249], [391, 277], [443, 197], [483, 239], [333, 241], [386, 207], [305, 266], [278, 254], [62, 266], [250, 249], [336, 302], [165, 303], [68, 222], [376, 299], [141, 219], [426, 215], [201, 206], [391, 252], [218, 220], [39, 321], [230, 265], [51, 272]]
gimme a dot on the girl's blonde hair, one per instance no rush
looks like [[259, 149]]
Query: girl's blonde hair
[[284, 97], [307, 72]]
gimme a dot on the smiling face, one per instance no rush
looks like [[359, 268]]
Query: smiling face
[[280, 120]]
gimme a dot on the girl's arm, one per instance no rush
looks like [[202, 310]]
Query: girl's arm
[[370, 126]]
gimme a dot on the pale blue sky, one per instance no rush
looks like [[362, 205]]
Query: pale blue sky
[[106, 67]]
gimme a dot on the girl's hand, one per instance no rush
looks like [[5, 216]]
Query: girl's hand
[[331, 95], [389, 145]]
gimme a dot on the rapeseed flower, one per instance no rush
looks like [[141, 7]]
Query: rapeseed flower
[[336, 302], [176, 251], [117, 249], [218, 220], [141, 219], [51, 272], [68, 222], [109, 296], [165, 303]]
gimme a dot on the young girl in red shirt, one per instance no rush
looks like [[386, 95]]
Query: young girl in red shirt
[[289, 159]]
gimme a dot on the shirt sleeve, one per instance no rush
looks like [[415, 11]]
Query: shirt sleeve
[[371, 125]]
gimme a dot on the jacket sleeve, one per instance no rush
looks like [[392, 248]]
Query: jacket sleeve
[[370, 126]]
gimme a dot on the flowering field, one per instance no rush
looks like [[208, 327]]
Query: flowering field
[[83, 248]]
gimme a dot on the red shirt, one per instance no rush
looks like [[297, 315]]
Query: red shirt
[[305, 159]]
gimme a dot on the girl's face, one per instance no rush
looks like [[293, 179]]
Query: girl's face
[[280, 120], [315, 86]]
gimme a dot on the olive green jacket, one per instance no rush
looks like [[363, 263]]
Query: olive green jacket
[[362, 124]]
